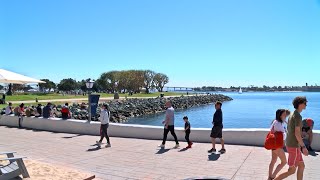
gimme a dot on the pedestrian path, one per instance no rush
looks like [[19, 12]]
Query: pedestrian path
[[141, 159]]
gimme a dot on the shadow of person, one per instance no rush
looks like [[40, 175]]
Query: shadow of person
[[184, 149], [213, 157], [70, 137], [94, 149], [162, 151], [207, 178]]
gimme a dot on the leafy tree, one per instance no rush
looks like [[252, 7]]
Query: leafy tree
[[148, 80], [160, 81], [68, 85], [49, 85], [27, 88], [107, 81], [17, 87]]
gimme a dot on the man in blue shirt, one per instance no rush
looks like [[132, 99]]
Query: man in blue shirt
[[216, 131], [46, 112]]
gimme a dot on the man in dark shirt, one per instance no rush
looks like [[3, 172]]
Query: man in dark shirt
[[216, 131], [39, 110], [47, 111]]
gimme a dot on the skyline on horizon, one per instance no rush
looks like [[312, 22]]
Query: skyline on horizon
[[208, 43]]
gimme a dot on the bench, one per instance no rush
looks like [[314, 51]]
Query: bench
[[15, 168]]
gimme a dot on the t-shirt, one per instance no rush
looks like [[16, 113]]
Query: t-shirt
[[217, 118], [295, 120], [105, 117], [28, 112], [46, 112], [65, 112], [170, 116], [39, 110], [8, 110], [186, 125], [16, 111], [279, 127]]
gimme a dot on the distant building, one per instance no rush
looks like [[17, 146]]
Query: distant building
[[311, 88]]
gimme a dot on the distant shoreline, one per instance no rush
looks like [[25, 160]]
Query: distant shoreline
[[204, 92]]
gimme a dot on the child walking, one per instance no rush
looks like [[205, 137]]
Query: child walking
[[187, 130]]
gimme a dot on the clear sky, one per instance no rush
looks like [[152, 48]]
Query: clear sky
[[203, 42]]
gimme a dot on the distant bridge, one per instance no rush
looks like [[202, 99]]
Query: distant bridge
[[169, 88]]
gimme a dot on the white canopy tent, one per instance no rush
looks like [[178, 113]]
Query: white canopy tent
[[14, 78]]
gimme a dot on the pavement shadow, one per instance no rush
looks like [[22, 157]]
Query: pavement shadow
[[70, 137], [183, 150], [312, 153], [207, 178], [213, 157], [94, 149], [162, 151]]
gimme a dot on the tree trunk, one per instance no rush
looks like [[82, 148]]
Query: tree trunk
[[9, 92]]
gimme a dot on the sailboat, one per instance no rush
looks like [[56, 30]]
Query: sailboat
[[240, 91]]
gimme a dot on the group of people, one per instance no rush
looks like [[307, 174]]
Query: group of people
[[169, 127], [38, 111], [297, 138], [216, 131], [297, 135]]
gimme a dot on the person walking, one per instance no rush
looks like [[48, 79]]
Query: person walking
[[278, 126], [216, 131], [169, 125], [294, 142], [187, 130], [105, 119]]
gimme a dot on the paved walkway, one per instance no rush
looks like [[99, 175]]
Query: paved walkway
[[141, 159]]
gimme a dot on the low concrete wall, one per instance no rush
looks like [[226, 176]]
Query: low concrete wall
[[254, 137]]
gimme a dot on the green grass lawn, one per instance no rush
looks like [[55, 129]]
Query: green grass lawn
[[24, 97]]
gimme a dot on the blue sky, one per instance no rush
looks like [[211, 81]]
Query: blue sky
[[206, 42]]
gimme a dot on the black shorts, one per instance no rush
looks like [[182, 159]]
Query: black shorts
[[216, 132]]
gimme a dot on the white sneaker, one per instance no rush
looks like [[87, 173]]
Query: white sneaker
[[177, 146], [98, 143], [108, 145], [161, 146]]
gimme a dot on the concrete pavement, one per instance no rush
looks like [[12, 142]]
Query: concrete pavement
[[141, 159]]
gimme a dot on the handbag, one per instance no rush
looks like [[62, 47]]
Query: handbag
[[274, 140]]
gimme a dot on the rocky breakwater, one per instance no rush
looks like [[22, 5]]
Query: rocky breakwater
[[123, 110]]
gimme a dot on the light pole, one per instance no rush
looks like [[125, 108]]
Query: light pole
[[89, 85]]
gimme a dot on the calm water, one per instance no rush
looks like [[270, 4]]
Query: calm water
[[247, 110]]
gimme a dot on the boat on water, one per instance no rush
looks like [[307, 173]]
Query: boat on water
[[240, 91]]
